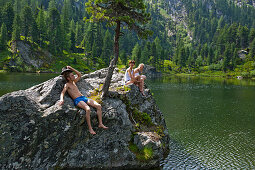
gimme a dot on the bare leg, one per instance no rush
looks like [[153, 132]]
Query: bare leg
[[99, 112], [84, 106], [142, 86], [143, 77]]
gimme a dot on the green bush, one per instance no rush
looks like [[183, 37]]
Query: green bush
[[252, 73], [245, 74]]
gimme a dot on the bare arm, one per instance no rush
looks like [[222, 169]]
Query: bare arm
[[76, 72], [61, 101], [136, 70], [131, 75]]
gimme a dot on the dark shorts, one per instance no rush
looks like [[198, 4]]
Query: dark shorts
[[81, 98]]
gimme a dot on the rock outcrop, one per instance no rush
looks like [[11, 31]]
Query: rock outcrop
[[37, 133], [29, 55], [151, 72]]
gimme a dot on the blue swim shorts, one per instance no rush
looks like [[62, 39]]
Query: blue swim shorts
[[81, 98]]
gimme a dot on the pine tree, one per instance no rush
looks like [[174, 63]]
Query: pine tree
[[182, 57], [52, 4], [54, 31], [146, 52], [244, 34], [252, 35], [210, 56], [72, 26], [252, 51], [107, 49], [34, 30], [89, 38], [235, 58], [154, 59], [8, 17], [26, 19], [16, 28], [17, 7], [227, 57], [65, 18], [72, 41], [41, 26], [98, 40], [131, 13], [78, 33], [123, 57], [3, 37], [135, 53]]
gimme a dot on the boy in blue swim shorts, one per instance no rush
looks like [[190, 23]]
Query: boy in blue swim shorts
[[80, 100]]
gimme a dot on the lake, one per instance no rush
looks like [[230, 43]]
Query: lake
[[211, 121], [19, 81]]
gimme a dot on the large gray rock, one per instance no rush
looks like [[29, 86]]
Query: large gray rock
[[151, 72], [37, 133]]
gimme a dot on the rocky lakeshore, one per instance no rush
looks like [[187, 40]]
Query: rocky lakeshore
[[37, 133]]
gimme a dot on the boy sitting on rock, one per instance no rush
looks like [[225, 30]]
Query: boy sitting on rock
[[80, 100]]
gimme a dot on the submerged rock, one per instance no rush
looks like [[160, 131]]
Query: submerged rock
[[37, 133]]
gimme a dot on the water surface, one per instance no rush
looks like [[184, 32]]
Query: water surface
[[211, 122], [10, 82]]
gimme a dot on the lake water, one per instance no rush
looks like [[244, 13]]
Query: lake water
[[19, 81], [211, 121]]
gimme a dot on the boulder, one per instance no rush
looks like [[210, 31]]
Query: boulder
[[151, 72], [38, 133]]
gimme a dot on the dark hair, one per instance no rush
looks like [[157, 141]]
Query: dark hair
[[132, 61], [66, 74]]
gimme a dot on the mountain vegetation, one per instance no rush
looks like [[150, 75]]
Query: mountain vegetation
[[197, 37]]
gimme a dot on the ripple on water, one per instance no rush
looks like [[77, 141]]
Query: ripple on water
[[216, 153]]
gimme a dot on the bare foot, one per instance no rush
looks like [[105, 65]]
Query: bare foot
[[102, 126], [92, 132]]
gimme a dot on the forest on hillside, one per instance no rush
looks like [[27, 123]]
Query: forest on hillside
[[214, 35], [60, 26], [221, 31]]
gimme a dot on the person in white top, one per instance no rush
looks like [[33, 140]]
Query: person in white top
[[129, 77], [139, 77]]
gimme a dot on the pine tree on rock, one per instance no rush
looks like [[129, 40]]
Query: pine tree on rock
[[115, 12]]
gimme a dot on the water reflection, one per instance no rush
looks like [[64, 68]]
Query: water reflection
[[211, 121]]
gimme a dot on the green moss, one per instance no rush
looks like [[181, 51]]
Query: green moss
[[96, 95], [160, 131], [133, 147], [123, 88], [144, 154], [147, 152], [142, 118]]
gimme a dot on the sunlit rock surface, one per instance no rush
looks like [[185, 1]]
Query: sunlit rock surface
[[37, 133]]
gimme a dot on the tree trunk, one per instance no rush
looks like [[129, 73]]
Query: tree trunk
[[113, 62]]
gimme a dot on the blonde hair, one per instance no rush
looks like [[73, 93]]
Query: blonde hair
[[141, 65]]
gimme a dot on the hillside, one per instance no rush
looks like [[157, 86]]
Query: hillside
[[205, 36]]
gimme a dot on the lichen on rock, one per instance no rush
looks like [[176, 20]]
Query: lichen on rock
[[37, 133]]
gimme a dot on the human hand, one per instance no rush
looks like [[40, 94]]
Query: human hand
[[69, 67], [61, 102]]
